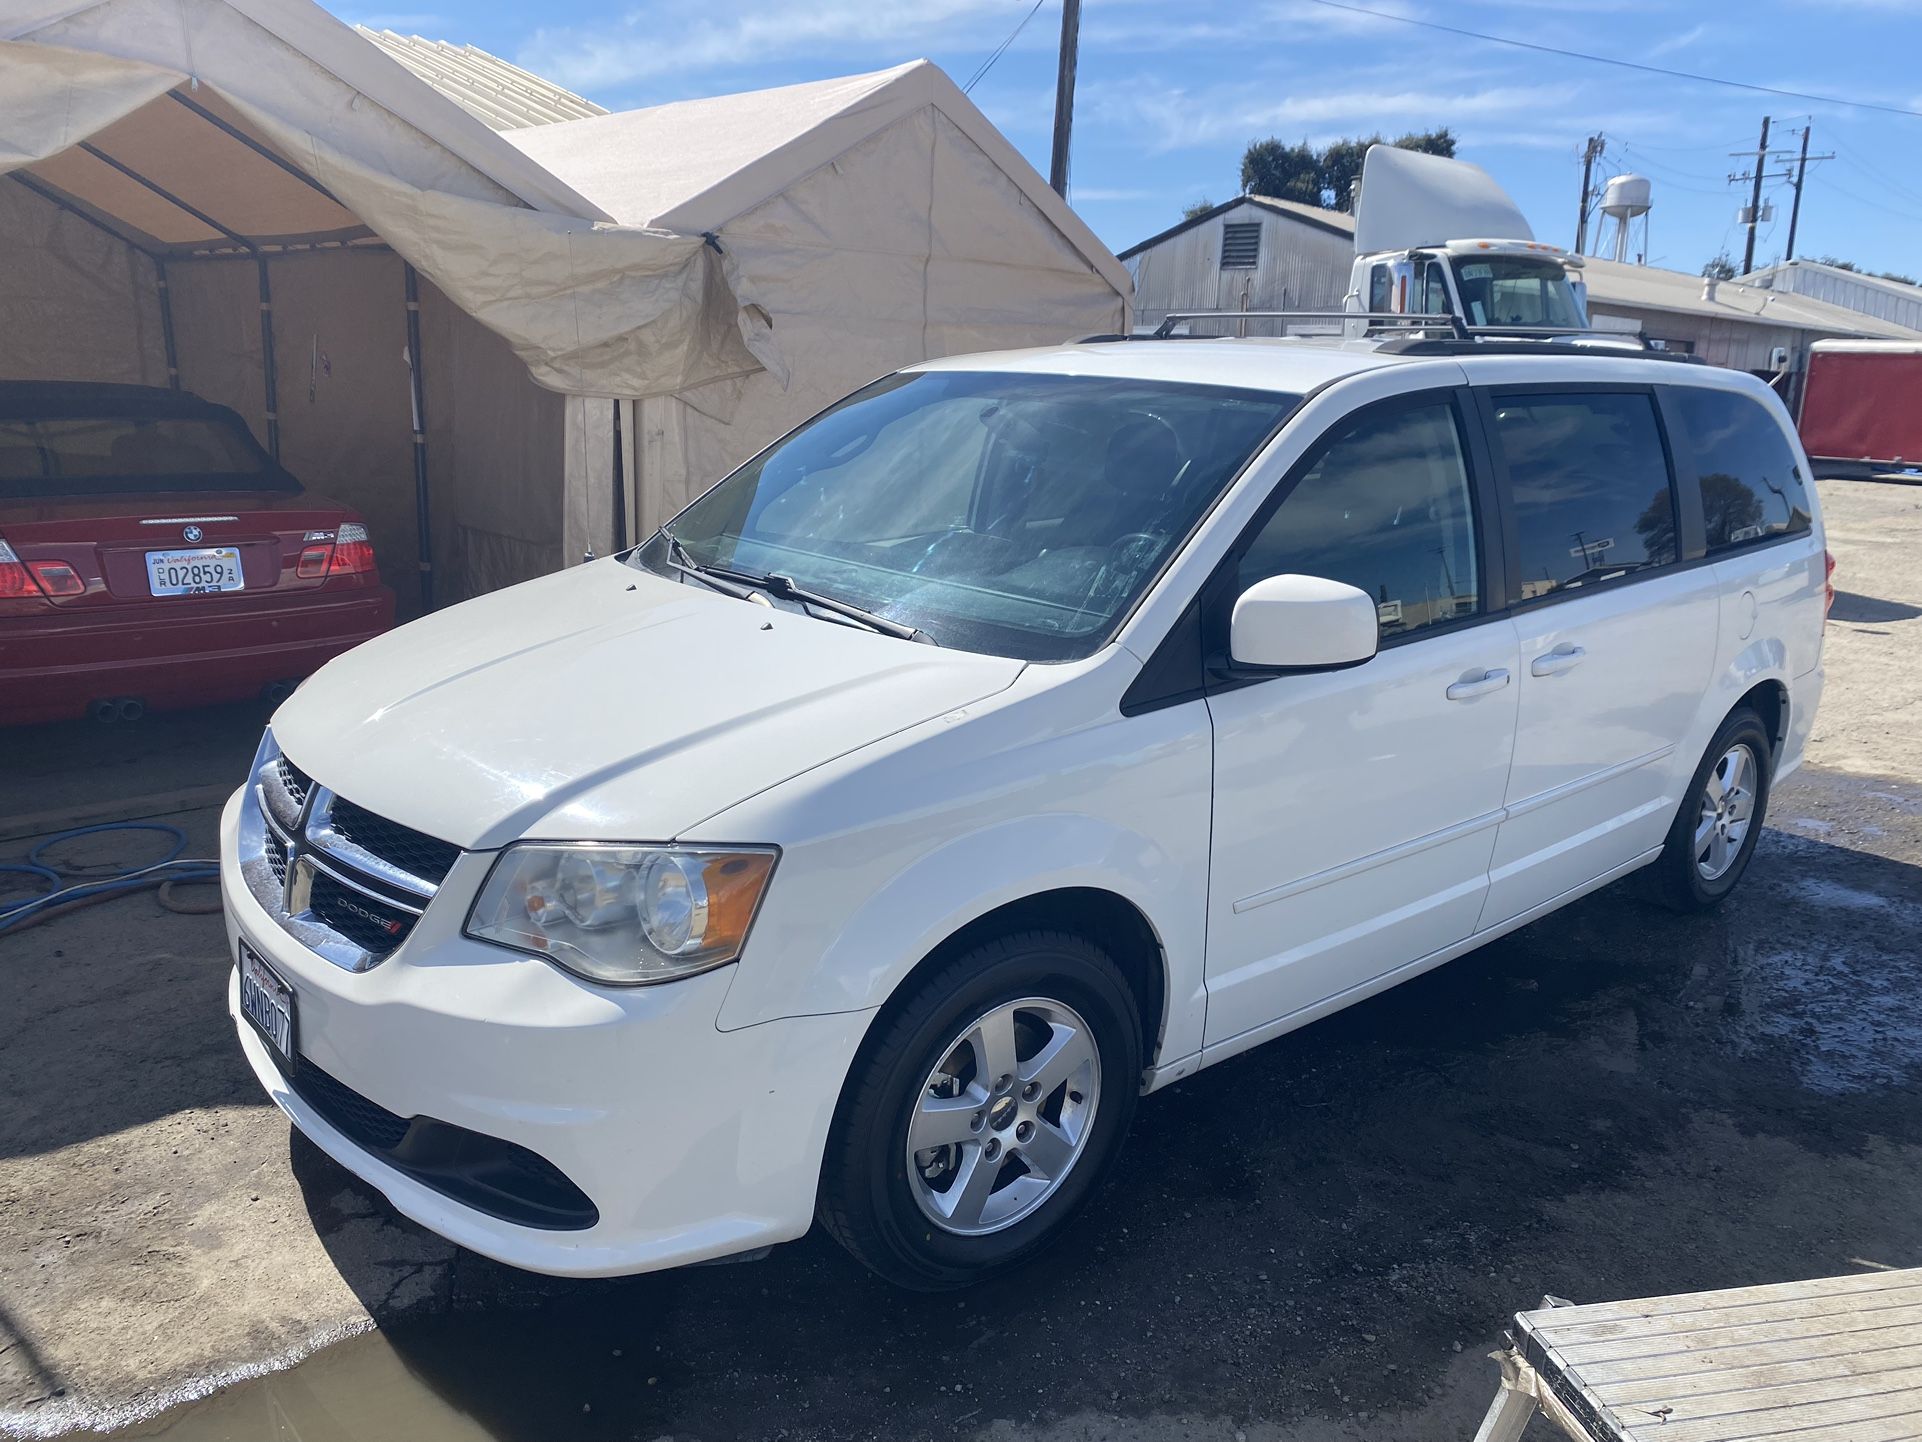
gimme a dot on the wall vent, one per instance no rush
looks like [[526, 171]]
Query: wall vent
[[1241, 245]]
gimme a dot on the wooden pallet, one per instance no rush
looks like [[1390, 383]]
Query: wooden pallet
[[1838, 1359]]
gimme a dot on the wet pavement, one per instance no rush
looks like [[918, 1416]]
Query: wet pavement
[[1327, 1232], [1319, 1239]]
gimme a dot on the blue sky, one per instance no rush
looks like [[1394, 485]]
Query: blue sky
[[1171, 91]]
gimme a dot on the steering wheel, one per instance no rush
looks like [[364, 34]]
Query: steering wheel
[[994, 547]]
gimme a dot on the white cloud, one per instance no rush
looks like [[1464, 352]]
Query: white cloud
[[1675, 42], [684, 38], [1179, 118]]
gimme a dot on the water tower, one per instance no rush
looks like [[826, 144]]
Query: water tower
[[1625, 199]]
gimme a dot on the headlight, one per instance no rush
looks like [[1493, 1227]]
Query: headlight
[[625, 915]]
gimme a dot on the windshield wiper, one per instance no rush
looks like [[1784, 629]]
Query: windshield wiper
[[744, 585], [683, 561]]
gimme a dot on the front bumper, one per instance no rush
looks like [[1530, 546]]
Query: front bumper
[[692, 1143]]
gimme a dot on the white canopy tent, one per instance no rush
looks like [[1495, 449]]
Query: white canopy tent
[[869, 221], [245, 198]]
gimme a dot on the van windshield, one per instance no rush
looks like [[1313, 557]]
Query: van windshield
[[1517, 290], [1019, 515]]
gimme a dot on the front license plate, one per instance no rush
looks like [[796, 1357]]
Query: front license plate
[[267, 1002], [200, 572]]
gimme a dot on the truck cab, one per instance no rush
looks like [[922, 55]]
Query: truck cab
[[1410, 257], [1498, 284]]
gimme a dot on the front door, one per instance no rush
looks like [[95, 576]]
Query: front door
[[1355, 810]]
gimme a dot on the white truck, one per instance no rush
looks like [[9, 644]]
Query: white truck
[[1442, 251], [1498, 279]]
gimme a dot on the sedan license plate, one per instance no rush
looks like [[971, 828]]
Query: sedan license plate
[[200, 572], [267, 1002]]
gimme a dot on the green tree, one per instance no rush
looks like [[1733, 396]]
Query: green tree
[[1840, 264], [1720, 268], [1286, 172], [1324, 177], [1200, 207]]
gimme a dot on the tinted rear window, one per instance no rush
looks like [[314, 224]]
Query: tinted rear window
[[1590, 483], [95, 455], [1752, 484]]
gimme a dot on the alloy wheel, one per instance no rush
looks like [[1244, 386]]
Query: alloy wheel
[[1004, 1116], [1727, 809]]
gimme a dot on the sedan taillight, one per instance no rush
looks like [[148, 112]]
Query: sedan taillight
[[348, 552], [15, 583], [353, 551], [1828, 582], [57, 578]]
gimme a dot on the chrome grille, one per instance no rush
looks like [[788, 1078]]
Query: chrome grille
[[345, 882]]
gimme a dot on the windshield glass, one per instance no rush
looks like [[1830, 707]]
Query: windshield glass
[[1020, 515], [95, 455], [1517, 290]]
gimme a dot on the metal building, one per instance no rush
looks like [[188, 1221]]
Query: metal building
[[1250, 253], [1258, 253], [1870, 295]]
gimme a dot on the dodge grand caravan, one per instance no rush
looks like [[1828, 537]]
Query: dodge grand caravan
[[1019, 736]]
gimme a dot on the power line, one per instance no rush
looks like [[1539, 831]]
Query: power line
[[1001, 49], [1611, 60]]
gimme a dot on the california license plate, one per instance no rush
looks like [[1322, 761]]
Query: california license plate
[[199, 572], [267, 1002]]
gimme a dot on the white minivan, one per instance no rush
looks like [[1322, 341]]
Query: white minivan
[[1020, 735]]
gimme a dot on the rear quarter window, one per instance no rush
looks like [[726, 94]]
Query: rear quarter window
[[1753, 489]]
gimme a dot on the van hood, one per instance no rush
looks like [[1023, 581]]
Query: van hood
[[606, 704]]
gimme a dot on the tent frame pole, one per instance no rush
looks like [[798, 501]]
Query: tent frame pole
[[269, 372], [254, 145], [423, 524], [167, 322]]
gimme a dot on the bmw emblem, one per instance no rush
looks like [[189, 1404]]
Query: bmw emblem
[[191, 533]]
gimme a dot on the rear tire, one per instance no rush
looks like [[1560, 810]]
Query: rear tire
[[1720, 820], [1016, 1147]]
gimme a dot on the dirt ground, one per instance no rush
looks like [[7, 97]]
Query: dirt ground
[[1318, 1240]]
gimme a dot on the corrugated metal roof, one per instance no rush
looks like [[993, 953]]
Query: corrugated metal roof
[[501, 95], [1648, 287]]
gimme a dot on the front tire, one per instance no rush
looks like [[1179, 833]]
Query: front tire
[[1714, 835], [984, 1112]]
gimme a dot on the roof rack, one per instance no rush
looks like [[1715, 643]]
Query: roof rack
[[1383, 319], [1420, 333]]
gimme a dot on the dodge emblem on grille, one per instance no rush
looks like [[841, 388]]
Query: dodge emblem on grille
[[191, 533]]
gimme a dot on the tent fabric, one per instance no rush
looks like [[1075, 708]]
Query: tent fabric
[[874, 220], [695, 165], [591, 307]]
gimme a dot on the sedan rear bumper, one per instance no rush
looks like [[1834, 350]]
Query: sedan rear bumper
[[53, 665]]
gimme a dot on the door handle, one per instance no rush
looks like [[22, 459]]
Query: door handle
[[1562, 658], [1490, 680]]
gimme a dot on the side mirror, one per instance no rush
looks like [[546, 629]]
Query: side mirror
[[1294, 623]]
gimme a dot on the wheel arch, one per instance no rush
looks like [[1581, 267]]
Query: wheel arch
[[1097, 914]]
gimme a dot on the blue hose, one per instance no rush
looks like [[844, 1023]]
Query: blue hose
[[81, 883]]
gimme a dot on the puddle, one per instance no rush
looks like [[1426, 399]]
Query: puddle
[[357, 1391]]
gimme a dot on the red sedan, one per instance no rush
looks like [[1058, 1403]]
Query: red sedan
[[153, 555]]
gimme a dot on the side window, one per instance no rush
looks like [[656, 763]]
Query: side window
[[1752, 485], [1386, 507], [1590, 485], [1381, 293], [1434, 290]]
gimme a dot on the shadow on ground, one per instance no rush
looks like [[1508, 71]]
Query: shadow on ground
[[1614, 1102]]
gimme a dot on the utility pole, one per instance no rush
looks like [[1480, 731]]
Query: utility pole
[[1064, 96], [1590, 153], [1755, 199], [1801, 174]]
